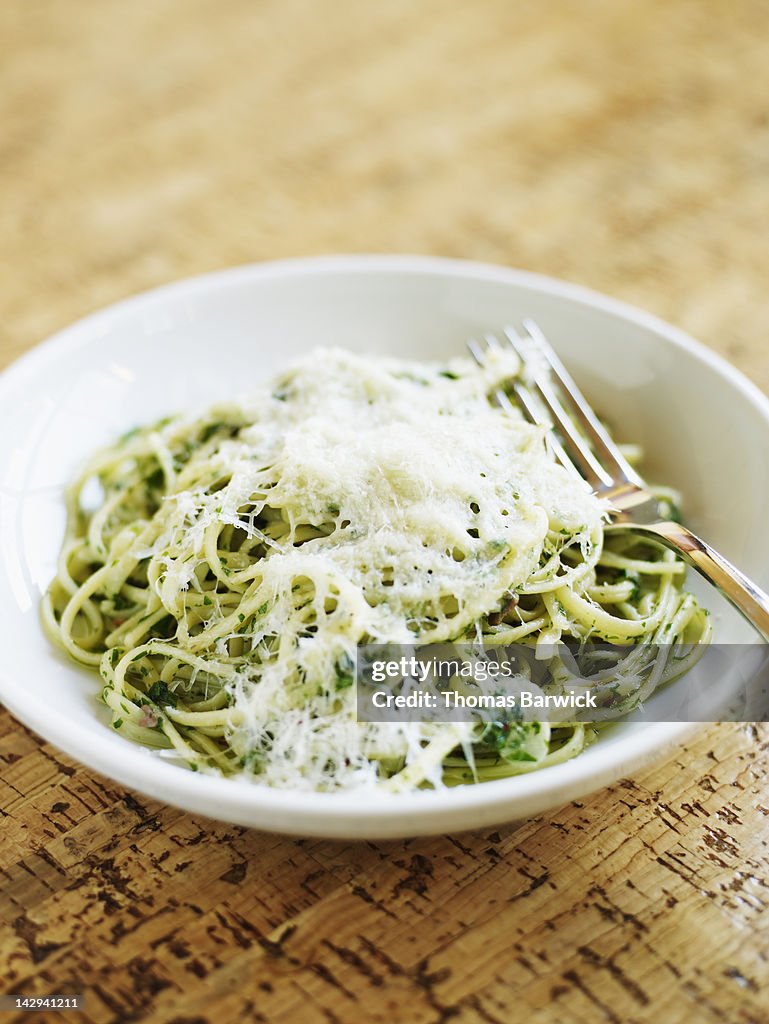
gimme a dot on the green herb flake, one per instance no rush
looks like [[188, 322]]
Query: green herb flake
[[345, 668], [159, 693], [156, 479], [210, 430]]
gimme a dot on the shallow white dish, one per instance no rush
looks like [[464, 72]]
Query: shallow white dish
[[704, 426]]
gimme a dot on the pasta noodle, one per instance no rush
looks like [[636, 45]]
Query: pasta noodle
[[219, 572]]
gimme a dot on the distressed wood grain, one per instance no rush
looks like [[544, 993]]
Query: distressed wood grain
[[623, 146]]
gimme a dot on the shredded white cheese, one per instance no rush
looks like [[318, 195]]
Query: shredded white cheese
[[394, 503]]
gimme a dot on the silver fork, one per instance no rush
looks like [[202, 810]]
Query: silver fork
[[549, 396]]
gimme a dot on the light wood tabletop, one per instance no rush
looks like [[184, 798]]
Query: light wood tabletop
[[624, 146]]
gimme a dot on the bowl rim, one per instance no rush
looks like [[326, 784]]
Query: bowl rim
[[351, 814]]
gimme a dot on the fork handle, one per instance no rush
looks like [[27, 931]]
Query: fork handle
[[743, 593]]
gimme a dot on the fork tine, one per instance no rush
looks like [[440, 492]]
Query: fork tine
[[578, 449], [608, 452], [537, 413], [476, 351], [533, 409]]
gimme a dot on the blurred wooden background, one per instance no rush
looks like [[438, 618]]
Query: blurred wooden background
[[624, 146]]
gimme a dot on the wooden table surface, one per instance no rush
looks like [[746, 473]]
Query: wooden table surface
[[621, 145]]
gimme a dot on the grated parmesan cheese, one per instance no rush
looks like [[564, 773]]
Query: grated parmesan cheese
[[394, 503]]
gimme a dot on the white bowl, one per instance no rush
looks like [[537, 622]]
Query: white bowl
[[704, 427]]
